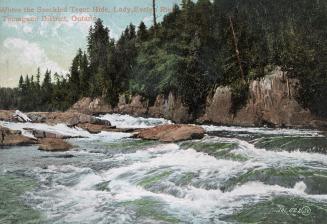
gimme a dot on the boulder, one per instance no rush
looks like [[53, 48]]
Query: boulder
[[37, 117], [70, 118], [7, 115], [14, 138], [171, 133], [54, 145], [97, 128], [46, 134], [20, 116]]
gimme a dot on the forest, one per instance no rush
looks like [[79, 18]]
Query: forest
[[195, 48]]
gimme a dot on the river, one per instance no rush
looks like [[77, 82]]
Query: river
[[233, 175]]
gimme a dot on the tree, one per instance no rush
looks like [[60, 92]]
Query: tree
[[142, 33], [154, 14], [74, 79]]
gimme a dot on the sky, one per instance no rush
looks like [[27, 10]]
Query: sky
[[30, 36]]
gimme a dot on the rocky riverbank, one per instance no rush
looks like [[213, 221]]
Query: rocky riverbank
[[272, 101], [53, 141]]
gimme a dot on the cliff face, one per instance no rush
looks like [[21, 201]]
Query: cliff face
[[87, 105], [271, 101], [170, 108]]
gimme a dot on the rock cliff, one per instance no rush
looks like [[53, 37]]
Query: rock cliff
[[272, 101]]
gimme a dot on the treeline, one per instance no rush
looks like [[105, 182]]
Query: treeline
[[197, 47], [33, 94]]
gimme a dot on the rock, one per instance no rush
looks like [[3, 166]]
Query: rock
[[70, 118], [14, 138], [170, 108], [21, 116], [319, 124], [88, 105], [7, 115], [54, 145], [171, 133], [37, 118], [46, 134], [97, 128], [138, 106], [272, 101]]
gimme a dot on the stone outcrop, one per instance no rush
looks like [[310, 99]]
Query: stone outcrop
[[91, 106], [70, 118], [47, 134], [170, 108], [54, 145], [14, 138], [7, 115], [171, 133], [137, 106], [272, 100], [98, 128], [95, 128]]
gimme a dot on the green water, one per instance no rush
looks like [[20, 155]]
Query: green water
[[227, 177], [13, 208]]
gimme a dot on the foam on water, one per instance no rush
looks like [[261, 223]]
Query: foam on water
[[272, 157], [127, 121], [269, 131], [189, 183], [192, 202], [63, 129]]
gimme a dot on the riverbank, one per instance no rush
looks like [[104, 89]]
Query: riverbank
[[272, 101]]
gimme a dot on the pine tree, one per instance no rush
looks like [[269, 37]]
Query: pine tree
[[142, 33]]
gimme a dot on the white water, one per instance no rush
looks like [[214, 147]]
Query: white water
[[62, 129], [270, 131], [124, 184], [187, 183], [127, 121]]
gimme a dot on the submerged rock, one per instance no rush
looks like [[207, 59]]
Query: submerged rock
[[54, 145], [14, 138], [171, 133]]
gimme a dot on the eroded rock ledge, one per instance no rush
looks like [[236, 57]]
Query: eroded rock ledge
[[272, 101], [171, 133], [14, 138]]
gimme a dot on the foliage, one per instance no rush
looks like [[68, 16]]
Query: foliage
[[191, 52]]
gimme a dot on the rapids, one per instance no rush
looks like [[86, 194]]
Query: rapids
[[233, 175]]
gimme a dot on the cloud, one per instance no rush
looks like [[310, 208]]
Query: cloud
[[54, 28], [20, 26], [30, 55]]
